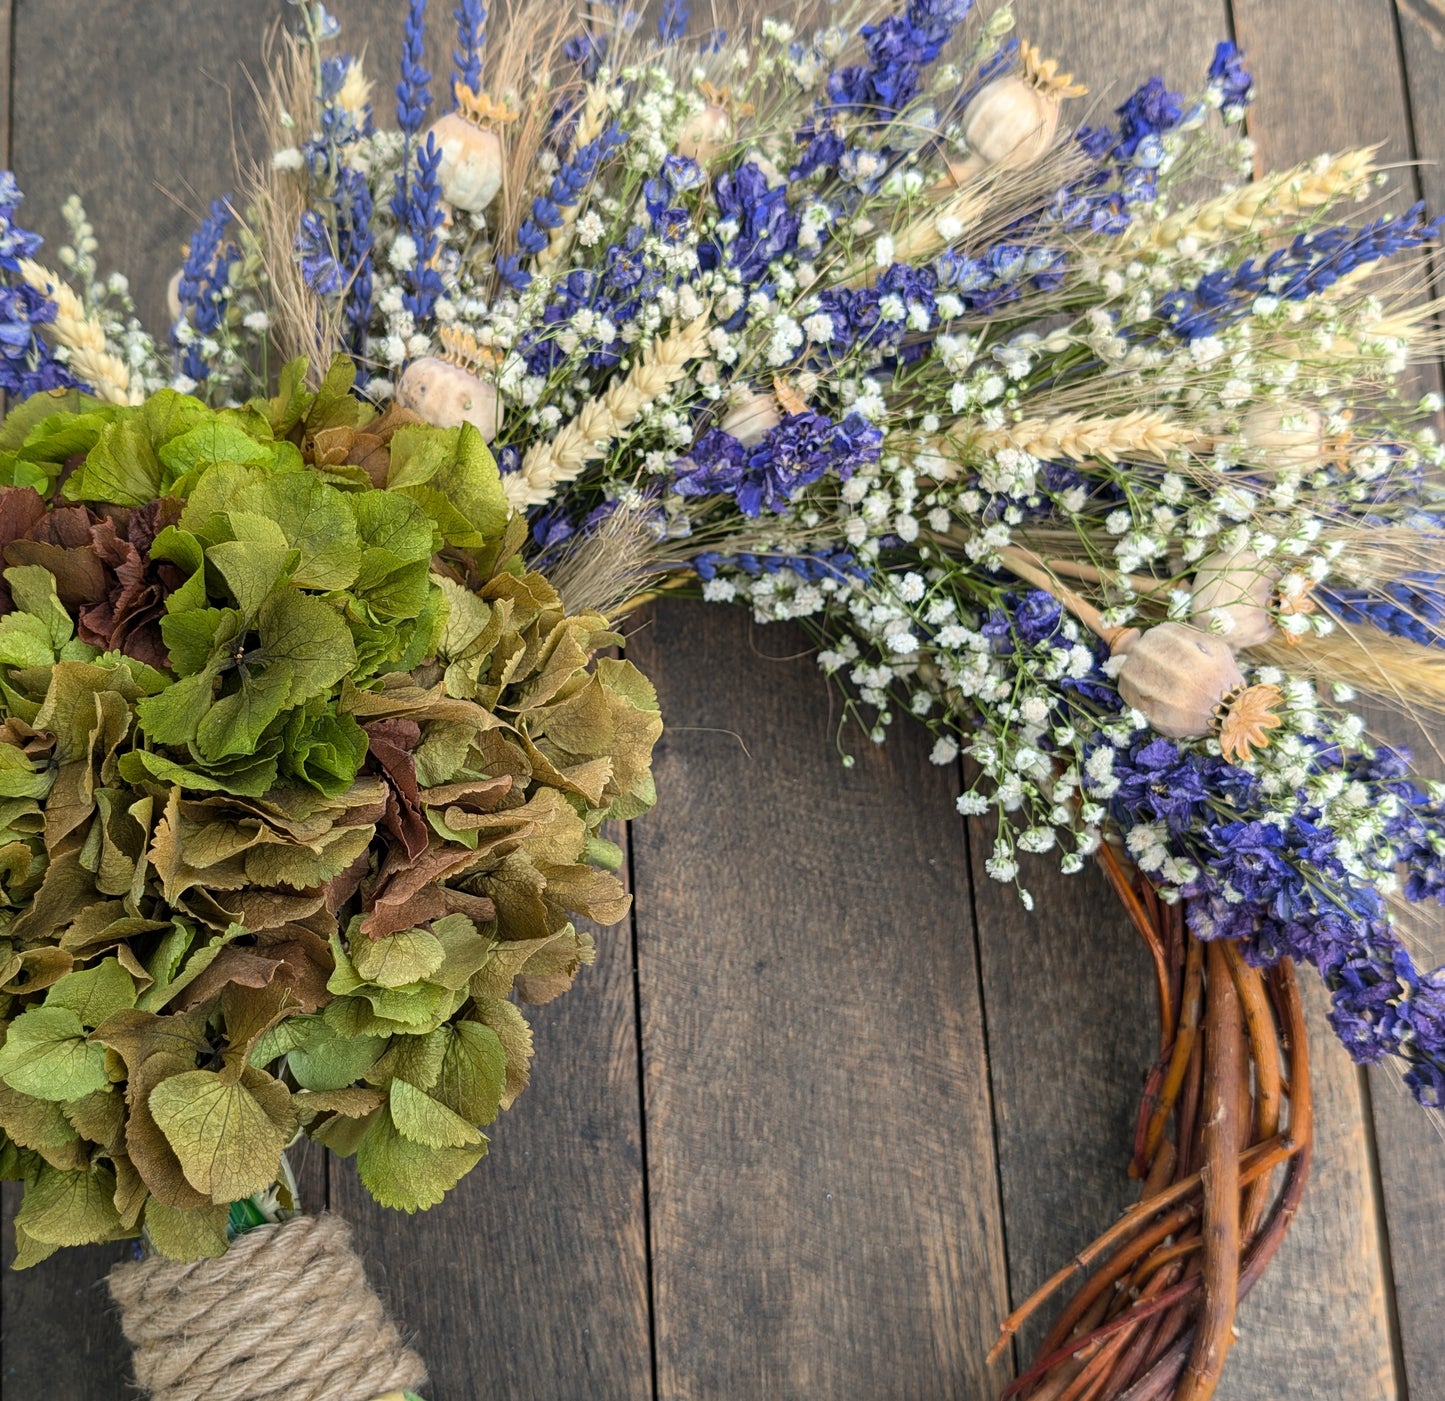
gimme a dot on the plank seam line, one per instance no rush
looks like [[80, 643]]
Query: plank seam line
[[12, 27], [993, 1123], [642, 1119], [1412, 134], [1382, 1233]]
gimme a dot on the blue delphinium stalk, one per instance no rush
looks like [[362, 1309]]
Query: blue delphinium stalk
[[795, 454], [205, 275], [899, 49], [1126, 160], [1281, 887], [1229, 80], [568, 186], [672, 22], [413, 96], [317, 255], [27, 364], [1311, 264], [471, 18], [354, 210], [765, 221], [1411, 607], [417, 204], [814, 567], [421, 216]]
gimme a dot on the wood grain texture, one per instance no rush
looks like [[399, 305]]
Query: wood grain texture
[[1412, 1144], [59, 1335], [7, 18], [1422, 40], [134, 108], [1317, 1326], [825, 1217], [1068, 995], [529, 1282]]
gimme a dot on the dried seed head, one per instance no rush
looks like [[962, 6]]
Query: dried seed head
[[1176, 676], [1235, 588], [1044, 73], [472, 161], [1281, 435], [1010, 122], [750, 416], [705, 134], [447, 395]]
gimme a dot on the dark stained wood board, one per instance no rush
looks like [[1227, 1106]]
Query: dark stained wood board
[[131, 106], [7, 17], [824, 1205], [1411, 1144]]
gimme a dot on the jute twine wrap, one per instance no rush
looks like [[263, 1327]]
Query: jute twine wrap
[[285, 1315]]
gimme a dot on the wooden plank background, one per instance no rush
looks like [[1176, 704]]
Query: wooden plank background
[[834, 1099]]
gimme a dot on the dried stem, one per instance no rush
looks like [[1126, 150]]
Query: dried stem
[[1148, 928], [1028, 566], [1223, 1024], [1268, 1078], [1192, 1008]]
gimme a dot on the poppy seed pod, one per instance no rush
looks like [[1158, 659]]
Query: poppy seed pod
[[705, 134], [1176, 676], [1281, 435], [1237, 588], [446, 396], [1010, 122], [470, 172], [750, 416]]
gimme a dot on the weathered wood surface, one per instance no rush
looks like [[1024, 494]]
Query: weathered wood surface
[[824, 1204], [873, 1101], [1411, 1146]]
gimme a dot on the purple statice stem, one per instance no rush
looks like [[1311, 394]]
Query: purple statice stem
[[355, 253], [412, 94], [204, 274], [568, 186]]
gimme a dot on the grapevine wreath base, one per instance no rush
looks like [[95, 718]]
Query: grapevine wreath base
[[1225, 1108]]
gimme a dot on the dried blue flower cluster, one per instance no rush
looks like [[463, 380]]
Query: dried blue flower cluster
[[899, 49], [27, 364], [471, 18], [1311, 264], [793, 455], [1412, 607]]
